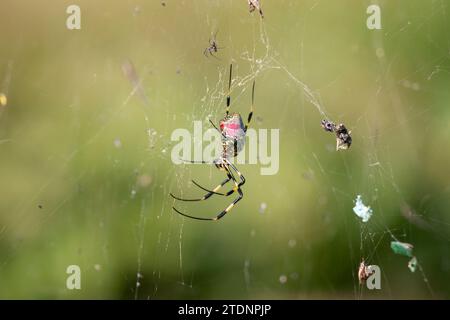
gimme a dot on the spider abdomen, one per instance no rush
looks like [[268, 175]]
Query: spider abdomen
[[233, 135], [232, 147]]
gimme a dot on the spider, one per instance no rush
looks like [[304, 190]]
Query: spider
[[213, 48], [343, 138], [233, 131], [254, 4]]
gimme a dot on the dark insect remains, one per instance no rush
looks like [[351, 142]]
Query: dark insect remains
[[343, 138]]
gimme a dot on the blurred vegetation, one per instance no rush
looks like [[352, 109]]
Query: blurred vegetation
[[83, 183]]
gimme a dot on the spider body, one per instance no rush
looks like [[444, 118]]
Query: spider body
[[233, 132], [233, 135]]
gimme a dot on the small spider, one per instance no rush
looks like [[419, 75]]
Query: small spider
[[233, 132], [254, 5], [213, 48], [343, 138]]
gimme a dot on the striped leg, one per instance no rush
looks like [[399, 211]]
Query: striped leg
[[220, 215], [228, 93], [231, 206], [210, 192], [241, 177], [250, 115], [239, 185], [227, 209]]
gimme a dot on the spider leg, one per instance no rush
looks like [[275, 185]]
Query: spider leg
[[215, 127], [226, 210], [220, 215], [216, 188], [213, 55], [228, 193], [192, 217], [205, 52], [193, 161], [214, 191], [231, 206], [230, 175], [228, 93], [250, 115], [261, 13], [241, 178], [209, 194]]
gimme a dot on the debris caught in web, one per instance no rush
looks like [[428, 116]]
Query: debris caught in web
[[405, 249], [328, 126], [362, 211], [412, 264], [402, 248], [363, 272], [255, 5], [343, 138]]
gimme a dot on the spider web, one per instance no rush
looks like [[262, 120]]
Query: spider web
[[123, 189]]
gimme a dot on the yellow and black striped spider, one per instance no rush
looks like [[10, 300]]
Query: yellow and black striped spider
[[233, 131]]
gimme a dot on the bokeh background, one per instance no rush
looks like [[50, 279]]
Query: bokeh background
[[85, 167]]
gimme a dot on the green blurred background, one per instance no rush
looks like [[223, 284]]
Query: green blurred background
[[85, 168]]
